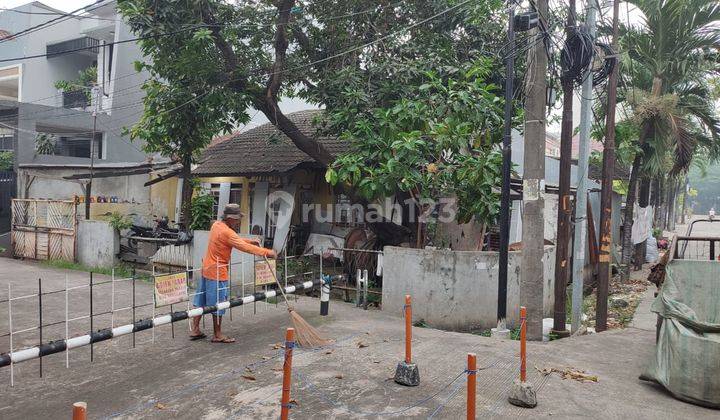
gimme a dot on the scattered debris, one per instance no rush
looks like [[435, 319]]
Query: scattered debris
[[361, 344], [569, 373], [329, 351], [522, 395], [160, 406], [249, 377], [618, 302], [277, 346], [339, 376]]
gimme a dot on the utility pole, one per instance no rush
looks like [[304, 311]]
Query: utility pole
[[581, 194], [505, 205], [533, 227], [562, 247], [608, 174], [97, 95]]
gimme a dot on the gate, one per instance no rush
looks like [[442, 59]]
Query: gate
[[44, 229]]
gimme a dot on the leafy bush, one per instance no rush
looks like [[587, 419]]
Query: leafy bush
[[201, 211], [45, 144], [6, 161], [86, 78], [119, 221]]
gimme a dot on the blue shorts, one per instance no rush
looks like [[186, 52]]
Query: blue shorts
[[210, 292]]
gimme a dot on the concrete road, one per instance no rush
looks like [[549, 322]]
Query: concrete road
[[350, 379]]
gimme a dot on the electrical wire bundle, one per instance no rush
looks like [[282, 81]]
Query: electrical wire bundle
[[577, 55], [605, 61]]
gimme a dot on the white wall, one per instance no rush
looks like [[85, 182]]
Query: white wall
[[97, 244], [456, 290]]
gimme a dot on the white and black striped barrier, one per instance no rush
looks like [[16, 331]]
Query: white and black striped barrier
[[57, 346]]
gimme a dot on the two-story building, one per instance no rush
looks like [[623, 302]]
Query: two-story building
[[56, 70]]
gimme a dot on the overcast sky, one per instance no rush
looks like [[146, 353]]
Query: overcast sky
[[70, 5]]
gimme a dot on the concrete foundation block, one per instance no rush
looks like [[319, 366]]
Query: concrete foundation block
[[500, 333], [407, 374], [522, 395]]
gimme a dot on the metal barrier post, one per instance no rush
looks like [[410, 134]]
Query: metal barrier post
[[324, 295], [366, 280], [40, 328], [67, 327], [287, 374], [12, 368], [92, 347], [523, 332], [471, 385], [112, 298], [407, 372], [133, 305], [358, 279], [79, 411]]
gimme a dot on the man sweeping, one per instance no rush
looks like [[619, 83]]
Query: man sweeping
[[213, 285]]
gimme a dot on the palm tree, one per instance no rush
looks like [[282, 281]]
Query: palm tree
[[670, 56]]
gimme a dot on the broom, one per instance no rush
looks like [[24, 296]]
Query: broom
[[306, 335]]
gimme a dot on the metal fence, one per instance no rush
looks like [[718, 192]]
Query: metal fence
[[99, 302]]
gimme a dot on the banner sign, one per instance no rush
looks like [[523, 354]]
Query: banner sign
[[170, 288], [264, 273]]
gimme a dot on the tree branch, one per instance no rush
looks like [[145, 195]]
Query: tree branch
[[269, 105], [231, 60]]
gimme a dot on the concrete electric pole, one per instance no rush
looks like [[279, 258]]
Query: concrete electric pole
[[608, 174], [533, 227], [586, 115], [562, 244]]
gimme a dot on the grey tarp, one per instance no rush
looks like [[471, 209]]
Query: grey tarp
[[687, 355]]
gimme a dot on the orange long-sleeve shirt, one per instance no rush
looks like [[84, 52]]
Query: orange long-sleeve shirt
[[220, 244]]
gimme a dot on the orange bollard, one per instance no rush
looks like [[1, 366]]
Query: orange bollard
[[471, 385], [523, 354], [408, 330], [79, 411], [287, 373]]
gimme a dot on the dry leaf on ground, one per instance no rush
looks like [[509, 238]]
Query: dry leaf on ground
[[249, 377]]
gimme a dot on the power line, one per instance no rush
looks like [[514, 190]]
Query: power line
[[50, 22], [350, 50], [124, 41], [23, 12]]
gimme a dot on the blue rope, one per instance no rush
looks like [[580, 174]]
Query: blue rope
[[335, 403], [193, 387], [447, 400]]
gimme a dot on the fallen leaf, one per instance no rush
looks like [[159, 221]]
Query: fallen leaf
[[248, 369], [249, 377], [329, 351], [294, 402], [277, 346], [361, 345], [376, 361], [266, 358], [160, 406]]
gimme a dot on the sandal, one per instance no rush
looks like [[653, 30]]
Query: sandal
[[198, 337], [225, 340]]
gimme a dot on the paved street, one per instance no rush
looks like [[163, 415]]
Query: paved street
[[176, 377]]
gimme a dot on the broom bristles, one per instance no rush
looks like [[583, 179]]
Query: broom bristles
[[305, 334]]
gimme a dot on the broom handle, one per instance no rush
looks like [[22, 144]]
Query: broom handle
[[277, 282]]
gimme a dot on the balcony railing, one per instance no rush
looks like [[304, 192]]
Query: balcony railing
[[84, 45], [75, 99]]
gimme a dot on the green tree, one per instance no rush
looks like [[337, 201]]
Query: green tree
[[351, 57], [6, 161], [435, 142], [668, 60]]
